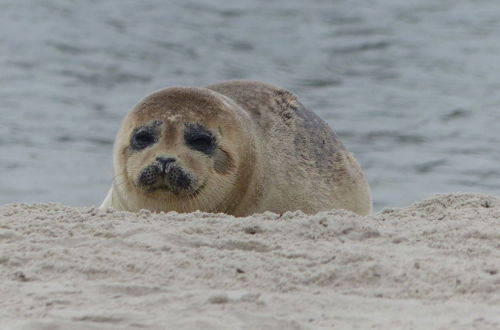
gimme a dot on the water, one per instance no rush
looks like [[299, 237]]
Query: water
[[412, 87]]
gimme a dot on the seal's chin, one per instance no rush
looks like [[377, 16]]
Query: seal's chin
[[154, 179]]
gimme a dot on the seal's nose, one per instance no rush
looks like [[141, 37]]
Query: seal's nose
[[164, 161]]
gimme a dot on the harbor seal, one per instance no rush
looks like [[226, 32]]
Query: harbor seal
[[236, 147]]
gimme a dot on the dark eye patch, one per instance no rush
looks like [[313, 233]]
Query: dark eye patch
[[197, 137], [145, 136]]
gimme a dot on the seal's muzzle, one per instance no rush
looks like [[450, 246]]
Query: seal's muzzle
[[164, 174]]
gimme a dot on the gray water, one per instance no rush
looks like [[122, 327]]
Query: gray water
[[411, 87]]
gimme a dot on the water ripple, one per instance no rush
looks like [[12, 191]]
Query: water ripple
[[411, 87]]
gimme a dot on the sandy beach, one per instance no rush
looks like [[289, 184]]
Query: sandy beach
[[432, 265]]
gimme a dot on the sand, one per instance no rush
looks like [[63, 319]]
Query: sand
[[432, 265]]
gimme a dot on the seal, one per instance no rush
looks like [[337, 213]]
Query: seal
[[236, 147]]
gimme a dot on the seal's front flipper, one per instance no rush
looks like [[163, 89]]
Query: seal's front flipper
[[107, 203]]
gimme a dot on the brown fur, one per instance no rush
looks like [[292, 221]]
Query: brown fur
[[273, 154]]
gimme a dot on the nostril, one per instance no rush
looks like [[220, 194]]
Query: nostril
[[165, 160]]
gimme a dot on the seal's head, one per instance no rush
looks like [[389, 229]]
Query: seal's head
[[180, 149]]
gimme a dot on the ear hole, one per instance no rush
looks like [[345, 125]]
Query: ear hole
[[223, 163]]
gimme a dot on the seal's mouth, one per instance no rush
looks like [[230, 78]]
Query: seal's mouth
[[167, 177]]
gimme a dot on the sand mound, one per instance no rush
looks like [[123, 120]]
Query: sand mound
[[433, 264]]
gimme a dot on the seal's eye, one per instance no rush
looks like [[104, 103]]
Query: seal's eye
[[146, 135], [143, 139], [201, 142], [197, 137]]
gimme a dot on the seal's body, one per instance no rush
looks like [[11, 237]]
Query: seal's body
[[238, 147]]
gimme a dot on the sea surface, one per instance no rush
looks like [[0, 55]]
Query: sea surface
[[411, 87]]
